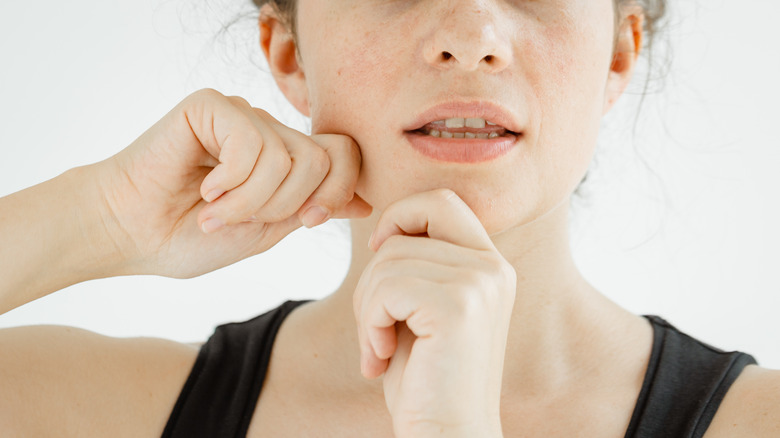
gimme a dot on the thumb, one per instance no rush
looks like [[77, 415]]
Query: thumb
[[356, 208], [439, 213]]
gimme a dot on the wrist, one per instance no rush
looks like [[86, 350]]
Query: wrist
[[52, 237], [98, 238]]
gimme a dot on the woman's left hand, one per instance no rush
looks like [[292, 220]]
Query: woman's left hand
[[433, 309]]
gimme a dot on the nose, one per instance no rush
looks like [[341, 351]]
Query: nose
[[467, 38]]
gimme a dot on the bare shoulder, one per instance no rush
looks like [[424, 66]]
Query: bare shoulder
[[751, 408], [63, 381]]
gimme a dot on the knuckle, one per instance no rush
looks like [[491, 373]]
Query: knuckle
[[317, 162], [474, 280], [348, 146], [383, 267], [239, 101], [199, 101], [383, 284], [271, 213], [500, 277], [280, 161], [238, 210], [445, 195], [262, 113], [503, 271], [339, 194], [509, 275], [254, 140], [467, 302], [206, 94]]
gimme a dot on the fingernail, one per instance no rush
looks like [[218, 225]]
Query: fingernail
[[214, 194], [314, 216], [211, 225]]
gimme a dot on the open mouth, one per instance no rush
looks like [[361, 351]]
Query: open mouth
[[464, 128]]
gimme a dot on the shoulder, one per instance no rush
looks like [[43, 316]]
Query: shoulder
[[751, 407], [66, 381]]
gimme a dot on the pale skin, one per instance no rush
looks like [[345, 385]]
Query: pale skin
[[469, 263]]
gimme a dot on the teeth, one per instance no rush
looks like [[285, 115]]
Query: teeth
[[458, 122], [447, 134], [475, 123], [455, 123]]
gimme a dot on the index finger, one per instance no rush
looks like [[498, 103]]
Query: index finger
[[439, 213]]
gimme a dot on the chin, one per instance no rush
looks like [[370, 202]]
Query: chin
[[497, 212], [498, 215]]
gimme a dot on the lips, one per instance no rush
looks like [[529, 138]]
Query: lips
[[444, 117]]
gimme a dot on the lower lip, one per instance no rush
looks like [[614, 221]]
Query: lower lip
[[461, 150]]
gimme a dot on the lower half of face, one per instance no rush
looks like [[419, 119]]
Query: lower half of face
[[537, 172], [370, 81], [530, 179]]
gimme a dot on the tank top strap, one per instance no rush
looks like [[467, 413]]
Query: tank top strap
[[219, 397], [685, 383]]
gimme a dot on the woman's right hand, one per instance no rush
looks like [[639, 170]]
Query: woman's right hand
[[216, 181]]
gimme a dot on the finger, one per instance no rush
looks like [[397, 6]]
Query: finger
[[226, 132], [336, 194], [272, 167], [439, 213], [338, 188], [371, 366], [398, 299], [380, 323], [402, 247], [427, 270], [310, 165], [356, 208]]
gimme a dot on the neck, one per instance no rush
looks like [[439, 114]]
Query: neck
[[556, 315]]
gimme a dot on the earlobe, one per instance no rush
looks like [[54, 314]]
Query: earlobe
[[281, 53], [624, 58]]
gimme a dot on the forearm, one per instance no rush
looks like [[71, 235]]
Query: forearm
[[52, 235]]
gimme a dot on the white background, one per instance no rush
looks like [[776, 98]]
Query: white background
[[698, 244]]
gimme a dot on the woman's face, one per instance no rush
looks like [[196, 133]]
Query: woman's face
[[374, 67]]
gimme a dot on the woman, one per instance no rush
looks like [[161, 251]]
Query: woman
[[462, 293]]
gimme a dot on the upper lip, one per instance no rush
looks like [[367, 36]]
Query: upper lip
[[489, 111]]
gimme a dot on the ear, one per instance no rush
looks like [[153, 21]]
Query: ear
[[281, 52], [627, 47]]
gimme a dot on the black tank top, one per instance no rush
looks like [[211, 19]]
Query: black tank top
[[685, 382]]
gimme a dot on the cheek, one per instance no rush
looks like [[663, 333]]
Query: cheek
[[570, 86], [355, 79]]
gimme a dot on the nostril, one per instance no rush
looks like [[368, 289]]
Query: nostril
[[446, 55], [489, 59]]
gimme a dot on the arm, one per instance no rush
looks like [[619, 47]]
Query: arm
[[64, 382], [52, 236], [147, 210], [144, 211], [751, 408]]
